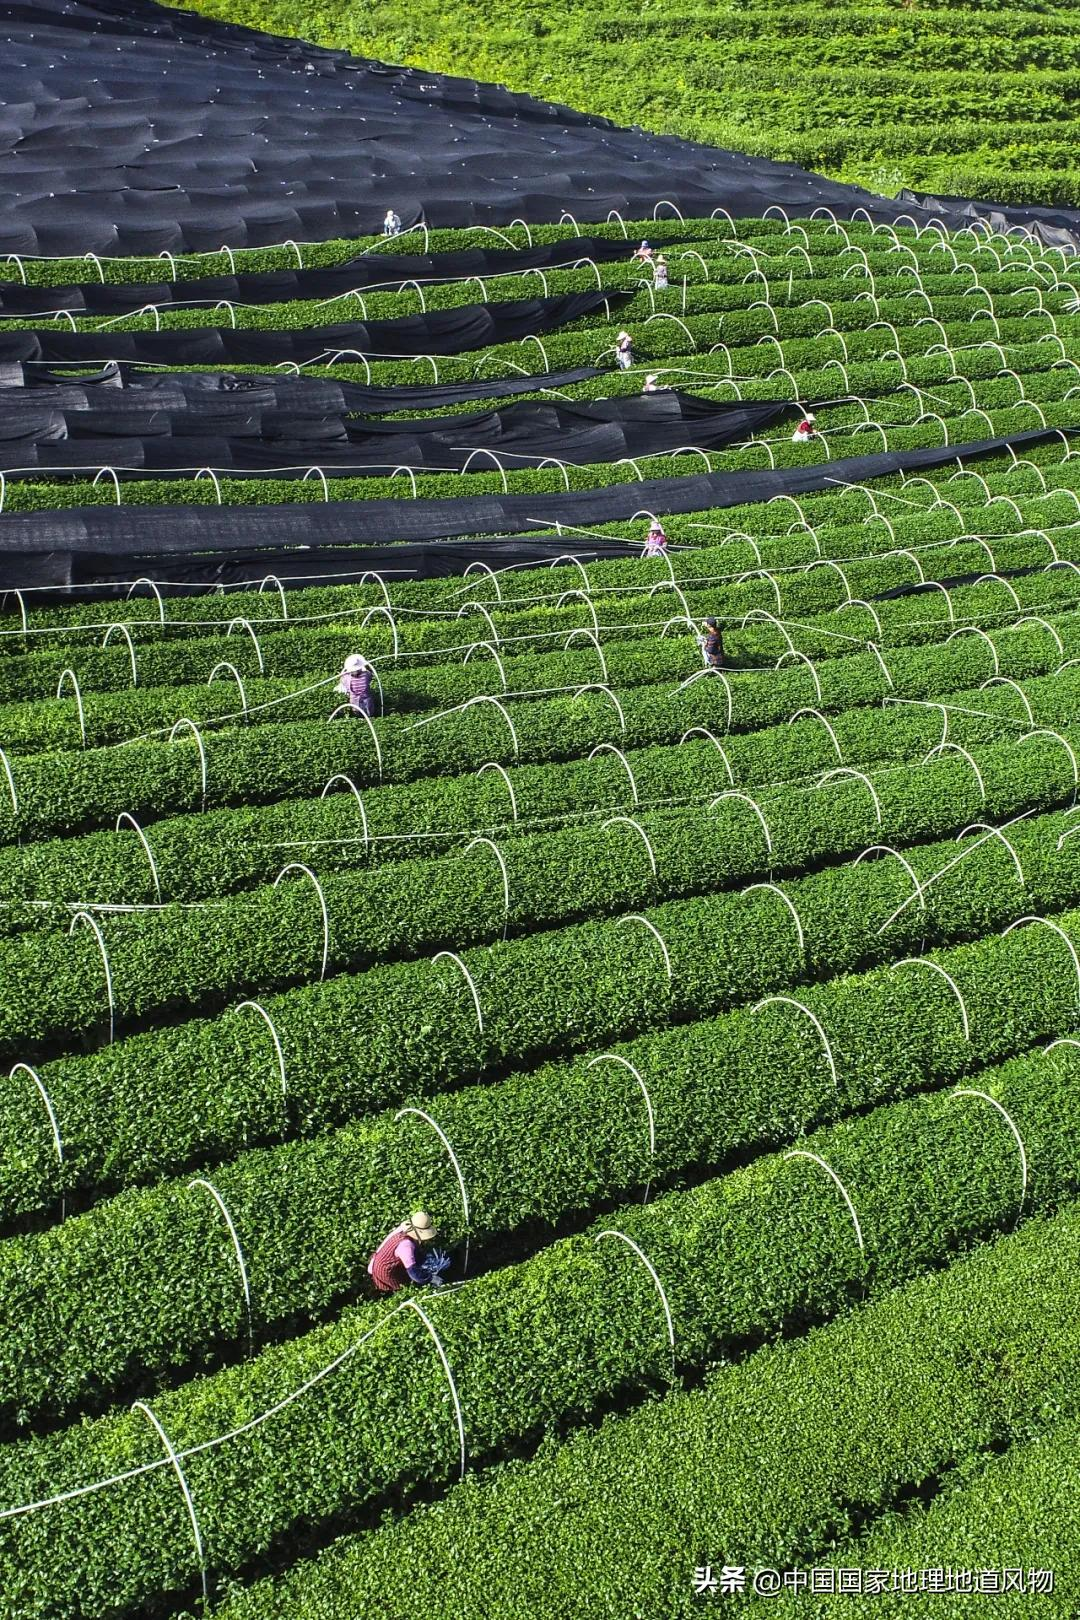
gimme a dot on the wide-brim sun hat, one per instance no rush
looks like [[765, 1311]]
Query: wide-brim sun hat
[[354, 664], [421, 1226]]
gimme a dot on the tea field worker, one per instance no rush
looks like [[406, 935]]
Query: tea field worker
[[805, 429], [643, 252], [649, 386], [355, 683], [397, 1260], [624, 351], [391, 225], [712, 645], [655, 542], [660, 279]]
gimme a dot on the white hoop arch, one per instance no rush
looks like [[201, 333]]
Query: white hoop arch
[[994, 832], [736, 793], [703, 731], [629, 821], [483, 568], [382, 608], [497, 852], [804, 1153], [790, 1001], [197, 734], [635, 916], [452, 956], [355, 791], [1045, 922], [595, 686], [788, 902], [143, 580], [935, 967], [70, 675], [955, 748], [258, 1007], [202, 1181], [1045, 731], [486, 698], [84, 916], [246, 624], [235, 673], [615, 1057], [462, 1189], [968, 1091], [887, 849], [298, 866], [1007, 680], [793, 653], [174, 1461], [122, 629], [362, 714], [491, 765], [54, 1124], [613, 1232], [125, 815], [490, 647], [850, 771], [973, 630], [817, 715], [610, 748]]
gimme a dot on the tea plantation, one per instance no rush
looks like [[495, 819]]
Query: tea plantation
[[717, 997]]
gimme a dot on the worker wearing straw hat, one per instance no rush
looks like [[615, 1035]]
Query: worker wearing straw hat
[[396, 1261], [355, 682]]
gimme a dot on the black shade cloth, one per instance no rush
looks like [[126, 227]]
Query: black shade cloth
[[274, 530], [131, 129], [36, 386], [93, 575], [436, 331], [273, 442], [371, 269]]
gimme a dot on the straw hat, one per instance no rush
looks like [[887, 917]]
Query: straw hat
[[623, 335], [354, 664], [419, 1225]]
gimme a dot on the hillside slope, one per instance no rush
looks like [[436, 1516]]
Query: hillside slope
[[974, 99]]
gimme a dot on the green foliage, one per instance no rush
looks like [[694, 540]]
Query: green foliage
[[745, 1256], [939, 91], [541, 1145], [797, 1446]]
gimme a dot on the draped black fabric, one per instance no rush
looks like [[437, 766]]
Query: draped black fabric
[[33, 386], [90, 575], [368, 270], [131, 129], [151, 533], [229, 436], [437, 331]]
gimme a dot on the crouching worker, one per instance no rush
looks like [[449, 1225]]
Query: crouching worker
[[398, 1260], [355, 682], [805, 430], [656, 542]]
